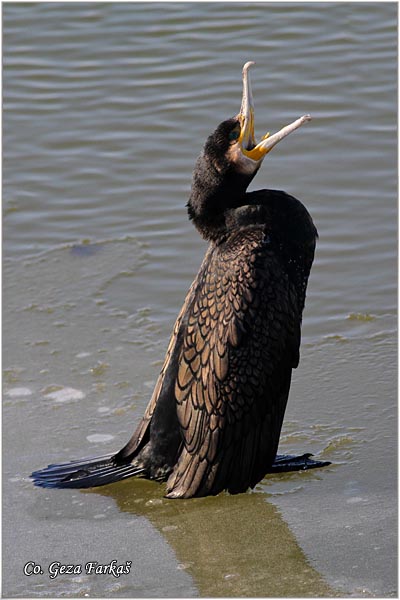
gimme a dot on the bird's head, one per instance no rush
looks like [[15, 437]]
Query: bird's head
[[233, 145], [230, 159]]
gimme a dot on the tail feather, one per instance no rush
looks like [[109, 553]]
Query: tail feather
[[84, 473]]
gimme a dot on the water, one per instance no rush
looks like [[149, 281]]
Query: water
[[106, 107]]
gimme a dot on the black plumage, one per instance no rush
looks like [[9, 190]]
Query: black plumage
[[214, 420]]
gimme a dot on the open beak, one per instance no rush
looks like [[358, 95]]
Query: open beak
[[247, 141]]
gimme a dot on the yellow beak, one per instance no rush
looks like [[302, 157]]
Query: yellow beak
[[247, 141]]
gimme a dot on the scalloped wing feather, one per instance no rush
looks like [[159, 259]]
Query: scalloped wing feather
[[234, 369]]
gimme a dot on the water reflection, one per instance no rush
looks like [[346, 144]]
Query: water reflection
[[210, 537]]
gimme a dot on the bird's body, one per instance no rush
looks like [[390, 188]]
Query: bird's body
[[215, 416]]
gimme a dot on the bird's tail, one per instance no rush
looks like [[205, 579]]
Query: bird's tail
[[84, 473]]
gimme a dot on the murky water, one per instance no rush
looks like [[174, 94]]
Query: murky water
[[106, 107]]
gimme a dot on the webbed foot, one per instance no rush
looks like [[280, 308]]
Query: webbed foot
[[289, 462]]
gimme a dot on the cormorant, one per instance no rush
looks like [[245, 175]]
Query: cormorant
[[214, 419]]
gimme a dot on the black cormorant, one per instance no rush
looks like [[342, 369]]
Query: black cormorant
[[214, 420]]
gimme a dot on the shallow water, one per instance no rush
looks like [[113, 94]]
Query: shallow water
[[106, 107]]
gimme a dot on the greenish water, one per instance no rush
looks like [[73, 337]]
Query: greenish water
[[106, 107]]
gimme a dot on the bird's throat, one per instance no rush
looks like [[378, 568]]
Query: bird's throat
[[212, 195]]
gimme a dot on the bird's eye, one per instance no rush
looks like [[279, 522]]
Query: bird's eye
[[234, 134]]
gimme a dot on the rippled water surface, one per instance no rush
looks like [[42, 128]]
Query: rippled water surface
[[106, 107]]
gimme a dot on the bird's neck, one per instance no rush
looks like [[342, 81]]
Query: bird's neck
[[213, 193]]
